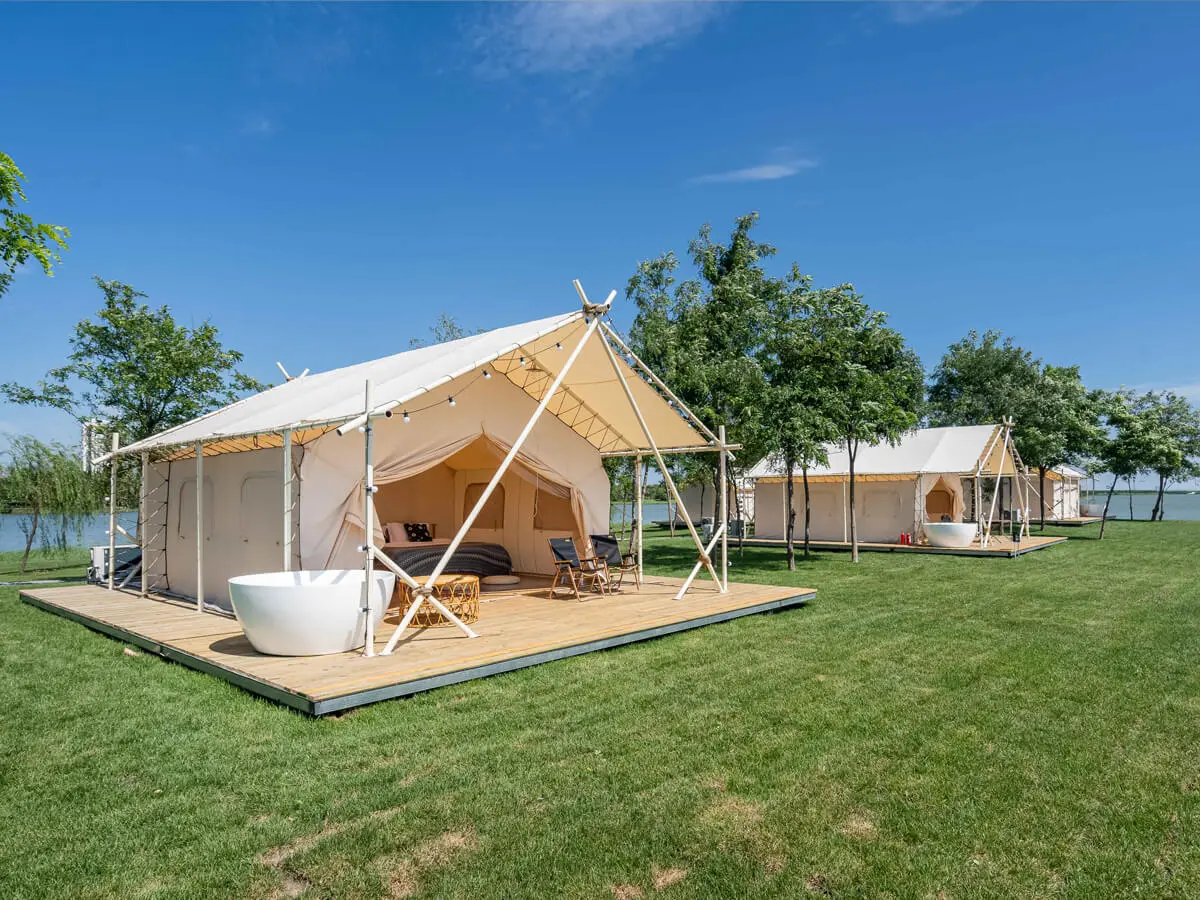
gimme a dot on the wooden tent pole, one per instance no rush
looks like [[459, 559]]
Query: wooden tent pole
[[674, 491], [724, 508], [638, 476], [368, 523], [287, 500], [199, 526], [143, 512], [112, 510]]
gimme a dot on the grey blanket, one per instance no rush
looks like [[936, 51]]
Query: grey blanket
[[469, 559]]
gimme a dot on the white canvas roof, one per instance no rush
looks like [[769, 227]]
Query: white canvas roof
[[954, 450], [590, 401]]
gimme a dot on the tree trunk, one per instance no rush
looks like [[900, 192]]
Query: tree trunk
[[790, 531], [29, 540], [1107, 501], [1129, 491], [1156, 513], [672, 513], [807, 511], [701, 522], [1041, 498], [853, 518]]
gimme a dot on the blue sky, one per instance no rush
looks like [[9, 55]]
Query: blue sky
[[323, 181]]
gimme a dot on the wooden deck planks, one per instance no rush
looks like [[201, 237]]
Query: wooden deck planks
[[517, 629]]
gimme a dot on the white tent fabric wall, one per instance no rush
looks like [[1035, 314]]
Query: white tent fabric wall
[[331, 510]]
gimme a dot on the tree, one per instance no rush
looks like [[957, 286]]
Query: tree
[[794, 362], [446, 328], [20, 237], [46, 486], [1136, 439], [703, 336], [1179, 452], [135, 368], [983, 379], [875, 382]]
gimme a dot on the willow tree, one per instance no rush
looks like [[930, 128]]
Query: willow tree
[[875, 382], [45, 486]]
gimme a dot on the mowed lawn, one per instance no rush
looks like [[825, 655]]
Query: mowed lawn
[[927, 727]]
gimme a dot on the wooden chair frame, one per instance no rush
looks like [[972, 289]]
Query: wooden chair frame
[[589, 572], [628, 564]]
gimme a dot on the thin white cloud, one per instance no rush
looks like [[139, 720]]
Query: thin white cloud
[[541, 38], [764, 172], [258, 125], [913, 12]]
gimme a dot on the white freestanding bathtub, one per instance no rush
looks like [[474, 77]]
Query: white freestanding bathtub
[[307, 613], [951, 535]]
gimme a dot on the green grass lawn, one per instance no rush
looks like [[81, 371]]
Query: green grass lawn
[[927, 727]]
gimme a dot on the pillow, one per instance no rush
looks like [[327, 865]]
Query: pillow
[[418, 532], [393, 533]]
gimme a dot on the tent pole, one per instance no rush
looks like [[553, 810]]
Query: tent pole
[[718, 535], [845, 511], [368, 525], [199, 526], [112, 510], [987, 538], [425, 591], [687, 519], [637, 517], [724, 507], [287, 500], [143, 510]]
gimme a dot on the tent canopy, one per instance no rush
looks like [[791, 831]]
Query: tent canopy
[[960, 450], [530, 355]]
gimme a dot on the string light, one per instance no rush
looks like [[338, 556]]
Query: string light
[[405, 416], [557, 346], [487, 374], [451, 401], [522, 360]]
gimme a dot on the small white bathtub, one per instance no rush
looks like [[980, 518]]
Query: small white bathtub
[[307, 613], [951, 535]]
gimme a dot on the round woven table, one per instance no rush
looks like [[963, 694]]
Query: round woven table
[[458, 593]]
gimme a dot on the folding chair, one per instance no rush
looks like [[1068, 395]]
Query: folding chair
[[608, 548], [572, 573]]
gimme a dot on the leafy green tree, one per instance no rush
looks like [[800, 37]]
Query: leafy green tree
[[21, 238], [1135, 441], [983, 379], [135, 368], [45, 485], [875, 382], [1179, 452], [795, 361], [446, 328], [703, 336]]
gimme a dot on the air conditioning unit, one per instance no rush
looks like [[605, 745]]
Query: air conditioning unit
[[126, 558]]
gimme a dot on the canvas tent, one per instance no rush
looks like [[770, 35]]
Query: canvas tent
[[1063, 491], [498, 436], [931, 473]]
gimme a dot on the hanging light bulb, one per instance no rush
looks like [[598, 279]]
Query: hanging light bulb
[[487, 374], [557, 346], [405, 416], [451, 401], [522, 360]]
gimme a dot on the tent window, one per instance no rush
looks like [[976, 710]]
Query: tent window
[[492, 514], [553, 513]]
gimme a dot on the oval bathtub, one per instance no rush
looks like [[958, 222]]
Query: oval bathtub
[[951, 535], [307, 613]]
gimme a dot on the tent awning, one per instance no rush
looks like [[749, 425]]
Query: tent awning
[[590, 401]]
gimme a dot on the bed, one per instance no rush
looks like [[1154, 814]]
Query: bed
[[471, 558]]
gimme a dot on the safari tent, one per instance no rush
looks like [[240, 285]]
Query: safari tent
[[957, 474], [495, 440], [1063, 492]]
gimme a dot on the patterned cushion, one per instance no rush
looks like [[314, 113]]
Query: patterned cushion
[[418, 532]]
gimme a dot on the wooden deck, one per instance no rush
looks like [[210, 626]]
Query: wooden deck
[[1001, 546], [518, 628], [1076, 522]]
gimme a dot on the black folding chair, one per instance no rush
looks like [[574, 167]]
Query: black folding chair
[[609, 549], [572, 572]]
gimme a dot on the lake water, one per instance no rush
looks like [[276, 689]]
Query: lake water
[[1179, 507]]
